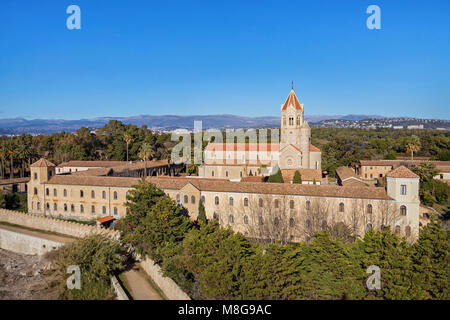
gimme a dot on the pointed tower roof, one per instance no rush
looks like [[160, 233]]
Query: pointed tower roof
[[402, 172], [42, 163], [292, 100]]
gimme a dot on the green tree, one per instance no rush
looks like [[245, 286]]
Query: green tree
[[127, 137], [145, 154], [297, 177], [201, 213], [413, 145], [2, 199], [277, 176]]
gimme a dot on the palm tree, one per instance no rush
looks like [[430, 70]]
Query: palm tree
[[413, 145], [3, 156], [146, 153], [128, 139], [11, 150]]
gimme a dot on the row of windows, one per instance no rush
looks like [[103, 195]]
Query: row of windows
[[72, 208], [291, 121], [397, 229], [55, 193]]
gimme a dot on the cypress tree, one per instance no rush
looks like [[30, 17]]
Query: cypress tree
[[201, 218], [277, 176], [297, 178]]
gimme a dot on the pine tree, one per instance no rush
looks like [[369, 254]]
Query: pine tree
[[277, 177], [201, 218], [297, 177]]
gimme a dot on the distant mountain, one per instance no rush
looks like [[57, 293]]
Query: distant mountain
[[166, 122]]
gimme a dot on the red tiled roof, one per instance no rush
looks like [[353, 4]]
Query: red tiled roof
[[402, 172], [292, 100], [42, 163], [93, 163], [306, 174], [313, 148], [105, 219]]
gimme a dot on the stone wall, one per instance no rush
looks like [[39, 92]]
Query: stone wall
[[120, 293], [170, 289], [54, 225], [26, 244]]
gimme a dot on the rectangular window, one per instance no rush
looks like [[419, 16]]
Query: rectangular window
[[403, 189]]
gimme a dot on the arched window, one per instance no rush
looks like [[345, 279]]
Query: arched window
[[291, 222], [226, 173], [81, 208], [192, 199], [47, 191], [308, 223], [324, 224], [284, 120], [115, 211], [65, 193], [203, 199], [245, 202], [48, 206], [341, 207], [55, 207], [261, 202], [403, 210], [308, 205], [397, 229], [216, 200], [231, 218], [35, 176], [291, 204], [72, 208], [246, 219], [369, 226], [92, 209], [55, 193], [186, 199], [231, 200], [178, 198], [408, 231], [81, 193], [276, 203], [212, 173], [104, 194], [65, 207], [298, 120], [276, 221], [216, 216], [35, 191], [261, 220], [369, 208], [93, 194], [104, 210], [115, 195]]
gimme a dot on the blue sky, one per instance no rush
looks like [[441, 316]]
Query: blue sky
[[213, 57]]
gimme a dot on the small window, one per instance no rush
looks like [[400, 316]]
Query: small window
[[47, 205], [397, 229], [226, 173], [246, 219], [245, 202], [203, 199], [341, 207], [231, 200], [55, 193], [216, 216], [231, 218], [276, 203], [65, 193], [55, 207], [212, 173], [35, 176], [39, 206], [291, 222], [72, 208], [47, 192], [369, 209], [186, 199], [261, 203], [408, 231], [65, 207], [92, 209], [104, 194], [261, 220], [403, 189], [192, 199], [369, 226], [276, 221], [81, 193], [115, 195], [308, 223], [403, 210], [291, 204], [81, 208], [308, 205], [93, 194], [104, 210], [178, 198], [35, 191], [115, 211], [216, 200]]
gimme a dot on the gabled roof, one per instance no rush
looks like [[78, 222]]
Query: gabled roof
[[292, 100], [402, 172], [43, 163]]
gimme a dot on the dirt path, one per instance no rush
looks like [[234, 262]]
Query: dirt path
[[140, 288]]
